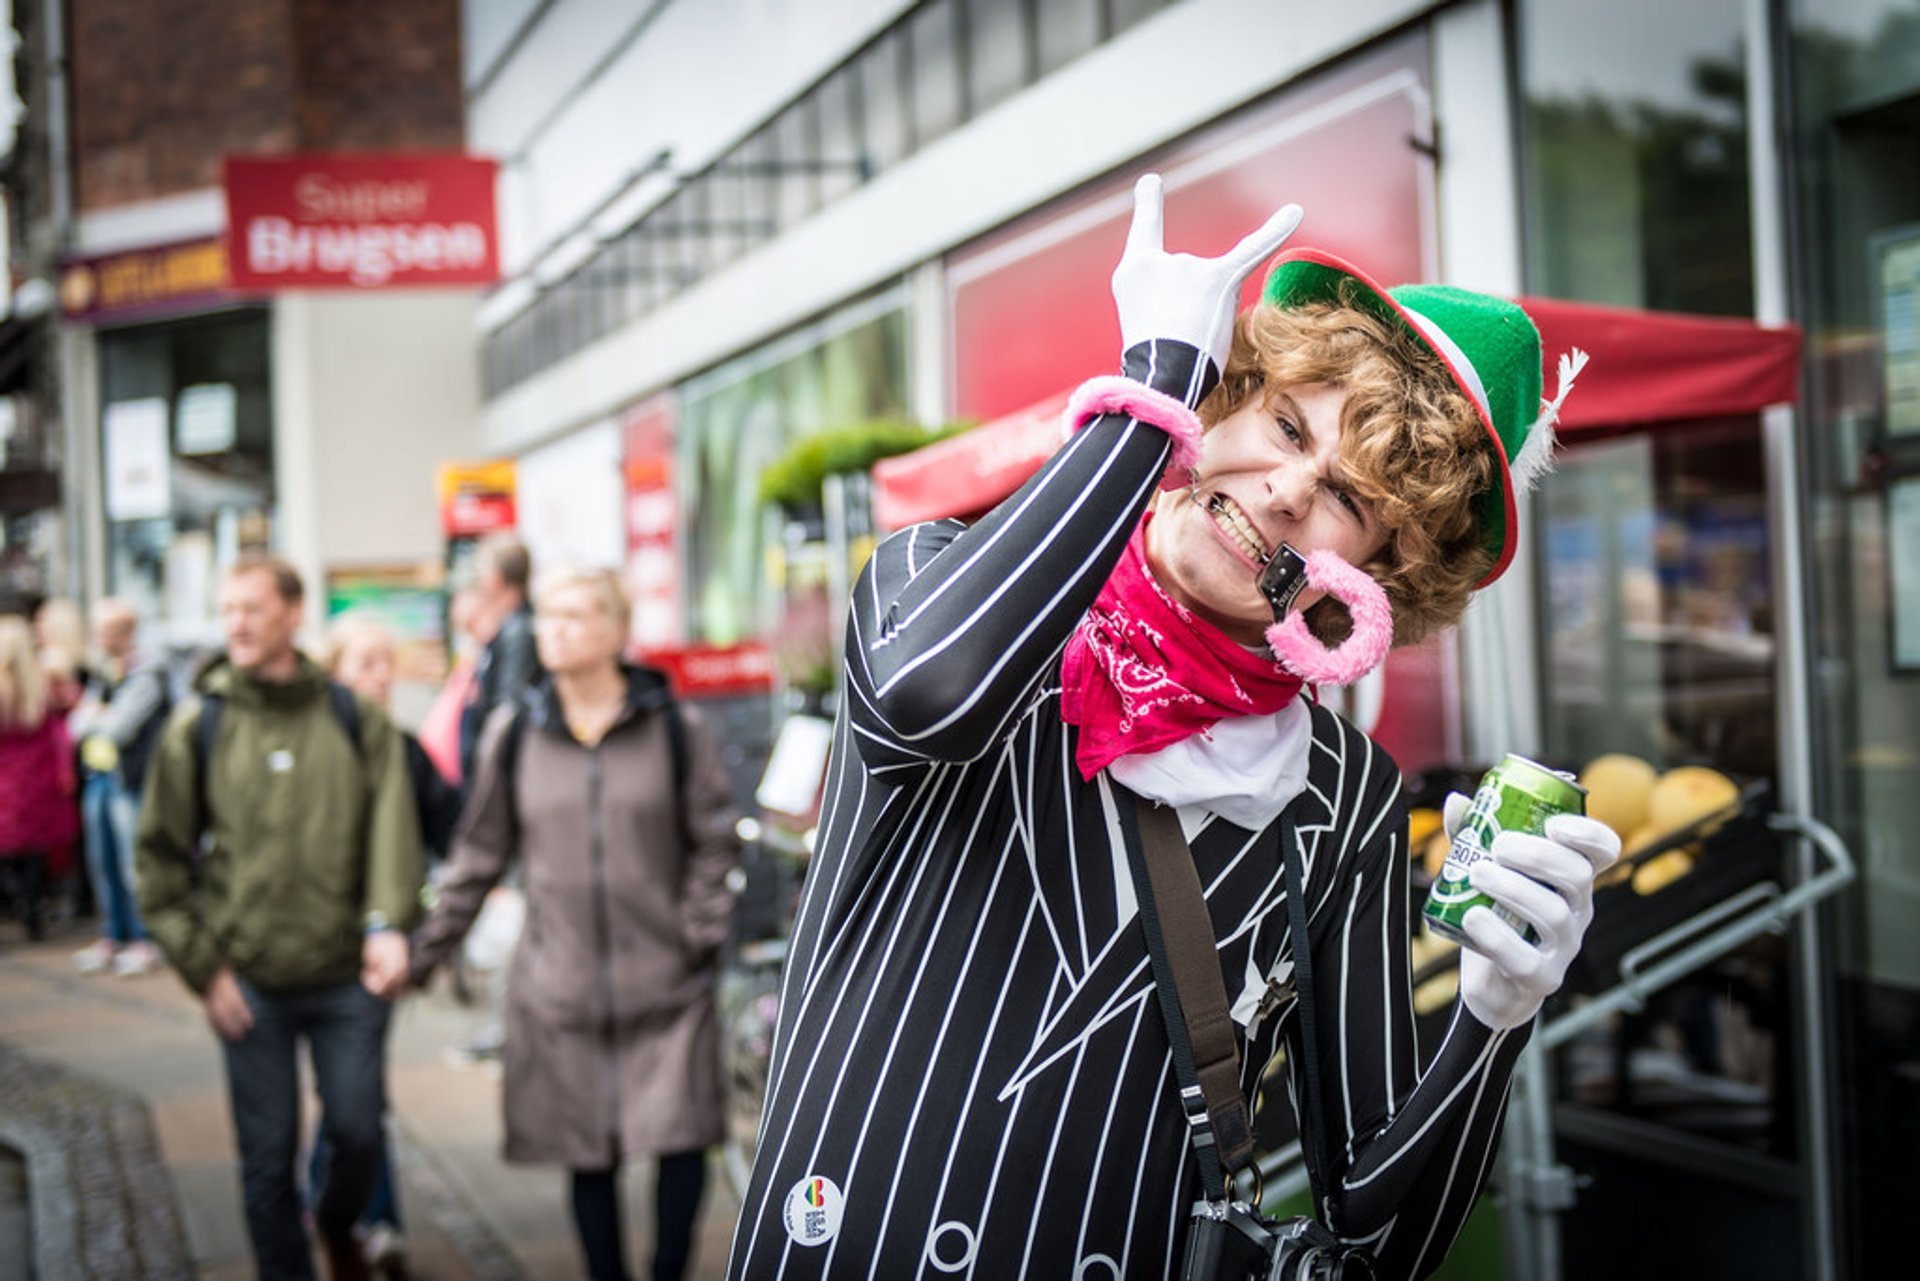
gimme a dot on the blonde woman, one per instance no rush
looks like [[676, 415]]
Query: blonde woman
[[61, 631], [37, 810], [360, 654], [612, 798]]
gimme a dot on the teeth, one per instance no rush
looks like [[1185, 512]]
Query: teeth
[[1228, 516]]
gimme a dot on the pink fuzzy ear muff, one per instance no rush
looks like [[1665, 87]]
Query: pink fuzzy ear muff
[[1301, 653]]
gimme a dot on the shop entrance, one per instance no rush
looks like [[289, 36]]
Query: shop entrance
[[1857, 193]]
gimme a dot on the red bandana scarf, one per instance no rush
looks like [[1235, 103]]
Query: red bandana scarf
[[1142, 671]]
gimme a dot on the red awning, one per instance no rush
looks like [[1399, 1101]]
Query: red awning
[[966, 474], [1644, 367], [1662, 366]]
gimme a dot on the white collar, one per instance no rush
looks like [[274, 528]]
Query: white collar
[[1246, 769]]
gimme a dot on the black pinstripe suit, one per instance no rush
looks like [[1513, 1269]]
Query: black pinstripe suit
[[969, 1053]]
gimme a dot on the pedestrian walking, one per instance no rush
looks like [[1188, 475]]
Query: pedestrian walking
[[510, 660], [279, 864], [117, 723], [471, 627], [610, 796], [973, 1072], [37, 811]]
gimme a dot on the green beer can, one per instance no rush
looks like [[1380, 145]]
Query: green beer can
[[1516, 795]]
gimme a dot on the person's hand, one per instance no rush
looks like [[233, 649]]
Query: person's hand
[[383, 963], [227, 1010], [1178, 296], [1547, 881]]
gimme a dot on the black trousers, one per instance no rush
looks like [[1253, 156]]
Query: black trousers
[[676, 1203], [345, 1028]]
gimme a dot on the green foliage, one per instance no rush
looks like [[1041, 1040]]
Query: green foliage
[[793, 479]]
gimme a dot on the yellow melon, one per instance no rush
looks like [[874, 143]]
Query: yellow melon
[[1618, 787], [1661, 871], [1686, 795], [1638, 839]]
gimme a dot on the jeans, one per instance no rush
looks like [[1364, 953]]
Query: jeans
[[383, 1204], [109, 815], [345, 1027]]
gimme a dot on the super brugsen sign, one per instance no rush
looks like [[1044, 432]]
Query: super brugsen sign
[[360, 221]]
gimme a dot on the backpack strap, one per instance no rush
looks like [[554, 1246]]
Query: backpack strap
[[346, 713], [206, 734]]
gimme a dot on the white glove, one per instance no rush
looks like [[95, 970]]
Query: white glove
[[1548, 882], [1180, 297]]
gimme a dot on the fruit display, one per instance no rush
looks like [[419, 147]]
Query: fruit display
[[1436, 972], [1646, 807], [1686, 795], [1691, 840], [1427, 839]]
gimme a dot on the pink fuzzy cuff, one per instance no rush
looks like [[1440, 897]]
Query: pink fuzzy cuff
[[1300, 653], [1111, 394]]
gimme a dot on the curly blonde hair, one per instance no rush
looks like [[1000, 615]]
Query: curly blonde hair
[[1411, 444]]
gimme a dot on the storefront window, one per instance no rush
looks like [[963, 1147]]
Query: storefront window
[[1658, 653], [737, 419], [1636, 154], [1857, 124], [1655, 600], [187, 452]]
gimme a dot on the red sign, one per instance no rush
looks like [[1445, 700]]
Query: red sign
[[360, 221], [653, 525], [698, 671], [476, 498]]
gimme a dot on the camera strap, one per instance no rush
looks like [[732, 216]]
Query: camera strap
[[1300, 941], [1193, 995]]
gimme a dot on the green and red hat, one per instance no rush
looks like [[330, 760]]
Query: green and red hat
[[1488, 345]]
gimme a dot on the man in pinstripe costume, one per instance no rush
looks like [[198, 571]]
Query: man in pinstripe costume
[[971, 1075]]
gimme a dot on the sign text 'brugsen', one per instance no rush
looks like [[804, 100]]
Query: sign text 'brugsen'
[[360, 221]]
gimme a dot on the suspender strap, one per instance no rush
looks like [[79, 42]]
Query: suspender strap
[[1302, 944], [1193, 996]]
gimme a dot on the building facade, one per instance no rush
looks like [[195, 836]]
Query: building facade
[[194, 419]]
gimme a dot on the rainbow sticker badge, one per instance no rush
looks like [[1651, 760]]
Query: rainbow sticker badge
[[812, 1211]]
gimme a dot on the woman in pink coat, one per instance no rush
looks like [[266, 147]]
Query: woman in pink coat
[[37, 811]]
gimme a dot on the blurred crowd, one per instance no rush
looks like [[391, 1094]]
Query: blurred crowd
[[255, 820]]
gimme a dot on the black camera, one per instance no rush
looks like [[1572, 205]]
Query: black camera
[[1230, 1241]]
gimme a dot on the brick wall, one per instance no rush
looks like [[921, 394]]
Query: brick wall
[[379, 75], [161, 89]]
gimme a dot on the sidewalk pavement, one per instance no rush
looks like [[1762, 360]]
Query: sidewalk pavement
[[113, 1090]]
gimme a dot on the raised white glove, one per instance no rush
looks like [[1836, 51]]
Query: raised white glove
[[1548, 882], [1180, 297]]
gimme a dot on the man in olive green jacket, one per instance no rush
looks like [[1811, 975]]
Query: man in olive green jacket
[[279, 886]]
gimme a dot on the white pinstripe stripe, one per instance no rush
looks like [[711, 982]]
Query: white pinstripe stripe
[[927, 1077]]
